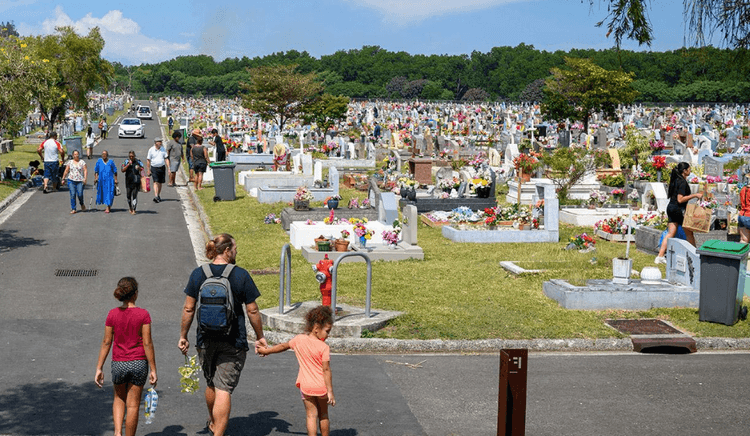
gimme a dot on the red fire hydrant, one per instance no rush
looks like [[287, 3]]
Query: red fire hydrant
[[323, 276]]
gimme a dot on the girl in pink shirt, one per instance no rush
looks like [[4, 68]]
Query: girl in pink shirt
[[129, 327], [314, 379]]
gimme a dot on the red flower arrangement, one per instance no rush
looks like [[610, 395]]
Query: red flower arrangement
[[659, 162]]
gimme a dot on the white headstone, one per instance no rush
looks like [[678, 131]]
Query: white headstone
[[296, 162], [307, 164], [318, 171]]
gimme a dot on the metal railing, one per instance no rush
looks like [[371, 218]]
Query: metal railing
[[334, 276], [285, 277]]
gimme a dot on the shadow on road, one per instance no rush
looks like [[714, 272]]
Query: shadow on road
[[8, 241], [56, 408]]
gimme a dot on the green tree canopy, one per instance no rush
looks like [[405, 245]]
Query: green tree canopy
[[325, 111], [280, 93], [73, 68], [584, 88], [20, 77]]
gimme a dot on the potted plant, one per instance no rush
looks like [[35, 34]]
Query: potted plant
[[633, 197], [332, 202], [482, 183], [525, 164], [342, 244], [621, 266], [302, 198]]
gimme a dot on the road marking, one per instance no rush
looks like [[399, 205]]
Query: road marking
[[16, 204]]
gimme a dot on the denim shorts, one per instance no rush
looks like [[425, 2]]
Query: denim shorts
[[51, 169], [743, 221]]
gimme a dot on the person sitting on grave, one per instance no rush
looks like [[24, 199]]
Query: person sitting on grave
[[679, 196], [280, 155]]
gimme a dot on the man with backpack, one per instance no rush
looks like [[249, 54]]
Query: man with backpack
[[220, 289]]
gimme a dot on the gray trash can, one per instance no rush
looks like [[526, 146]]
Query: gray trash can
[[224, 184], [723, 270], [73, 143]]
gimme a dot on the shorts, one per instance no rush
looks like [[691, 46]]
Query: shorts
[[157, 174], [51, 169], [743, 221], [132, 371], [174, 165], [199, 167], [222, 364], [675, 214]]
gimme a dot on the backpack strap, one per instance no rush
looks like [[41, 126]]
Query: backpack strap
[[207, 270], [227, 271]]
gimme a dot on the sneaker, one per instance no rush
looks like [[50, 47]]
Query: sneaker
[[660, 259], [159, 198], [156, 199]]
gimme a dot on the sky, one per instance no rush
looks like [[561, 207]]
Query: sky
[[140, 31]]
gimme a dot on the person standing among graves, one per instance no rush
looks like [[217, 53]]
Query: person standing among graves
[[679, 196], [743, 217], [221, 151], [157, 162], [174, 150], [191, 141], [76, 173], [105, 178], [200, 162], [132, 168], [222, 356], [52, 154]]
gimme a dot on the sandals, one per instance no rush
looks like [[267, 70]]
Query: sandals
[[208, 427]]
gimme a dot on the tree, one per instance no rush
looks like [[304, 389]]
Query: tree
[[475, 94], [396, 86], [279, 92], [629, 19], [585, 88], [73, 67], [8, 29], [325, 111], [534, 91], [20, 76], [568, 165]]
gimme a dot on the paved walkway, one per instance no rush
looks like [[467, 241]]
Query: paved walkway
[[51, 328]]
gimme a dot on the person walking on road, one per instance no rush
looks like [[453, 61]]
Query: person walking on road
[[170, 122], [191, 141], [200, 162], [133, 357], [132, 168], [157, 162], [222, 356], [76, 174], [174, 151], [105, 128], [105, 173], [52, 154], [314, 378], [90, 141]]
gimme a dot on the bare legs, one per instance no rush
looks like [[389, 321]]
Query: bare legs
[[127, 395], [198, 181], [316, 409], [219, 405], [671, 232]]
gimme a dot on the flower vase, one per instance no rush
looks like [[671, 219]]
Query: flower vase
[[621, 270], [411, 195], [301, 205], [363, 242], [403, 193], [482, 191], [658, 176], [333, 204]]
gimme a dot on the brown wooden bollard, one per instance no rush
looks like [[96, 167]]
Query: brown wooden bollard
[[511, 396]]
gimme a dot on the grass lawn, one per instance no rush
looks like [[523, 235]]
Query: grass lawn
[[458, 291]]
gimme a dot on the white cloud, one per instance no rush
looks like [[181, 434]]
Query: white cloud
[[411, 11], [123, 40]]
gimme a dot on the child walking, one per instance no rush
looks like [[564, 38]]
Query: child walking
[[129, 327], [314, 379]]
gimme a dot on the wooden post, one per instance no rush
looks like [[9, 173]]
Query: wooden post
[[511, 396]]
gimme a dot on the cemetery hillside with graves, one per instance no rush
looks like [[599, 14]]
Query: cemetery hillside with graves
[[436, 220]]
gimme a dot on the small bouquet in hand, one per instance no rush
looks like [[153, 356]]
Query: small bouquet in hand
[[189, 375]]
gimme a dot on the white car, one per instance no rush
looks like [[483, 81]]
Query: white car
[[131, 128], [143, 112]]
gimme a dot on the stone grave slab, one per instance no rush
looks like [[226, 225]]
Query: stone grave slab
[[603, 295], [374, 251], [289, 215], [387, 208]]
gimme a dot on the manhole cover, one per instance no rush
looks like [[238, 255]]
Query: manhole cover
[[75, 272], [642, 327]]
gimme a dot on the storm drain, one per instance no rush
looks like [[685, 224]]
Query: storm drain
[[653, 335], [75, 272]]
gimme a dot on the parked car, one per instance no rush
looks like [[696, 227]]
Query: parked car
[[131, 128], [144, 113]]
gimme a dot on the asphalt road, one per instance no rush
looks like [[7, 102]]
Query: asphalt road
[[51, 328]]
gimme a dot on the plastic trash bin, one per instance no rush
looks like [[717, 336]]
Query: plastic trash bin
[[73, 143], [723, 270], [224, 185]]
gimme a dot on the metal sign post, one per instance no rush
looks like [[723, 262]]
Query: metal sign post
[[511, 398]]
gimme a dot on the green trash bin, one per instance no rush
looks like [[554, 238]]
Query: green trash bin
[[723, 270], [224, 185]]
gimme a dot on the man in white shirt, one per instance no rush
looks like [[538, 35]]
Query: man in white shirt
[[52, 153], [157, 163]]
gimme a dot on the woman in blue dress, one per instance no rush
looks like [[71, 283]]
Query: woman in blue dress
[[105, 173]]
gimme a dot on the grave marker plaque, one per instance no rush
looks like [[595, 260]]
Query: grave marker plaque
[[713, 167]]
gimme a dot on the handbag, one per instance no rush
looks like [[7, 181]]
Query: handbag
[[117, 190], [697, 218], [145, 184], [732, 227]]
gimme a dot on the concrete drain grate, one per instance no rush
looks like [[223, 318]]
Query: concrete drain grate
[[652, 334], [75, 272]]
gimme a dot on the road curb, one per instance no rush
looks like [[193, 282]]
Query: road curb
[[12, 197]]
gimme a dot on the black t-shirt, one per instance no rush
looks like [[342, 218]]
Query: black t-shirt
[[244, 291], [192, 141], [681, 187], [133, 172], [221, 151]]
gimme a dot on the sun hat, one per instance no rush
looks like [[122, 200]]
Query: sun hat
[[197, 132]]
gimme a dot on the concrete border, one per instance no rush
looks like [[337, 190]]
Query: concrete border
[[14, 195]]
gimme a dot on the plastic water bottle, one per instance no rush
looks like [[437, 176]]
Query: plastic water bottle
[[151, 401]]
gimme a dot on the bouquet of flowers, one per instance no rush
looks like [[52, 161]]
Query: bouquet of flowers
[[615, 226], [523, 215], [345, 234], [634, 196], [303, 194], [526, 163], [448, 184], [597, 196], [659, 162], [713, 179], [619, 192], [390, 237], [733, 179], [478, 159], [189, 375], [331, 146], [361, 231], [406, 182], [271, 219], [582, 241], [483, 178], [657, 145], [710, 204]]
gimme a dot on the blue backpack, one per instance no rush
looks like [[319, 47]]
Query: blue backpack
[[216, 311]]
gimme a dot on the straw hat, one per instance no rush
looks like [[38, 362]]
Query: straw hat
[[197, 132]]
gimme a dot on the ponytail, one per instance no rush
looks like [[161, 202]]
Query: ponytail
[[676, 173], [218, 245]]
